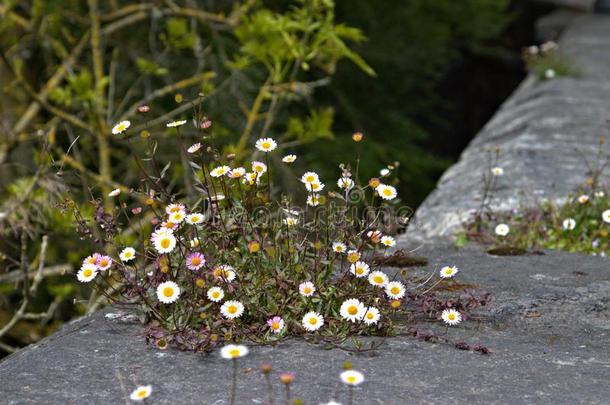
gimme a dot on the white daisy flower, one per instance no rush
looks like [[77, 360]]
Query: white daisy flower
[[225, 272], [291, 221], [120, 127], [259, 167], [395, 289], [220, 171], [502, 230], [386, 192], [583, 199], [371, 316], [359, 269], [339, 247], [352, 377], [114, 192], [164, 242], [345, 183], [448, 271], [87, 273], [266, 144], [307, 289], [91, 259], [313, 200], [231, 352], [141, 393], [232, 309], [599, 194], [194, 147], [237, 173], [352, 310], [569, 224], [216, 294], [289, 158], [168, 292], [310, 177], [353, 256], [497, 171], [177, 217], [606, 216], [194, 219], [314, 186], [170, 209], [174, 124], [378, 278], [549, 74], [127, 254], [388, 241], [451, 316], [312, 321], [384, 172]]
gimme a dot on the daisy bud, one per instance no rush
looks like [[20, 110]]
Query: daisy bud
[[200, 283], [143, 109], [161, 344], [374, 182], [136, 211], [287, 378], [231, 156], [357, 136], [347, 365], [178, 97], [266, 368], [144, 134], [150, 201], [395, 304], [254, 246]]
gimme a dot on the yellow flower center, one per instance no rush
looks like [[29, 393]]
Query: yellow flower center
[[352, 310], [91, 260], [313, 320], [310, 179], [378, 279], [174, 209], [104, 262], [234, 352], [121, 127], [395, 290], [275, 325], [195, 261], [87, 272], [258, 169], [141, 394], [359, 270], [451, 317], [266, 145], [195, 218], [216, 294], [306, 290], [168, 291], [232, 309], [165, 243], [351, 379], [387, 192], [369, 315]]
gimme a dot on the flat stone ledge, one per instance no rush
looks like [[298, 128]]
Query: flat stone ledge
[[548, 328], [544, 130]]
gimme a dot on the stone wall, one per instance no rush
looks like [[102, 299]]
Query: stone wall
[[544, 131]]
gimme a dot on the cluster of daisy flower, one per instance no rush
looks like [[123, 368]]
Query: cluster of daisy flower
[[207, 273]]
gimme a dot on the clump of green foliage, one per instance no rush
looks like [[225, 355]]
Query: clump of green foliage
[[546, 62]]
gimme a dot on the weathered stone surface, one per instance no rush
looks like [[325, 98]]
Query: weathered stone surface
[[548, 328], [544, 131]]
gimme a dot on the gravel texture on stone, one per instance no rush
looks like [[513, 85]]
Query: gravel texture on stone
[[548, 329], [544, 131]]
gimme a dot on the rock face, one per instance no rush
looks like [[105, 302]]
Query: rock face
[[544, 131], [548, 329]]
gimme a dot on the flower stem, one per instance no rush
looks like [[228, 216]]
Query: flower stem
[[234, 384]]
